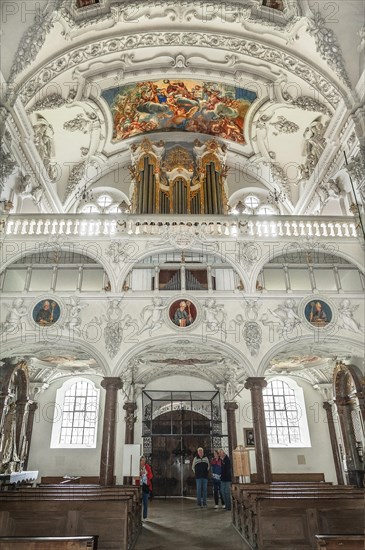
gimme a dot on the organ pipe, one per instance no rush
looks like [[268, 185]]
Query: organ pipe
[[178, 184]]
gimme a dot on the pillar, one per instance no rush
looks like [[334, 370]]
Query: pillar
[[230, 407], [355, 471], [335, 450], [20, 417], [129, 407], [256, 385], [111, 385], [32, 407]]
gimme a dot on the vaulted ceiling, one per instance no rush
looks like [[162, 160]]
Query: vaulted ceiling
[[82, 84]]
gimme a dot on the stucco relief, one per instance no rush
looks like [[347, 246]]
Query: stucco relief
[[250, 48]]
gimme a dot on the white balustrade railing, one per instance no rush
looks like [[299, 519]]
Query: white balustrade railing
[[91, 225]]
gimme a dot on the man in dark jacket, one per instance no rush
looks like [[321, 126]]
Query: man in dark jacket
[[226, 479], [201, 469]]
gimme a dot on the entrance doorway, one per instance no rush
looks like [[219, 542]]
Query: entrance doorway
[[174, 425]]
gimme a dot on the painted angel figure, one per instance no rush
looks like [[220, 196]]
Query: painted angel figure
[[346, 316], [151, 316], [13, 318]]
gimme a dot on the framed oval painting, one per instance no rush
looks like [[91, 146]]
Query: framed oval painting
[[46, 312], [182, 313], [318, 313]]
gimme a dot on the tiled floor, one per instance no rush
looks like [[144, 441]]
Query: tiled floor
[[178, 524]]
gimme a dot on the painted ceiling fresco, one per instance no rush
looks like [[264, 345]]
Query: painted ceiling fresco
[[168, 105]]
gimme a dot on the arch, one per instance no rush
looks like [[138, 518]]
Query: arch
[[236, 356], [29, 350], [138, 257], [306, 340], [94, 251], [328, 87], [297, 247]]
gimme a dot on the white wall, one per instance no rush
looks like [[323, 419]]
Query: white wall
[[318, 457], [60, 462]]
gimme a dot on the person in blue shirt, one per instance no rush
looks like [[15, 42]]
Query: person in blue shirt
[[216, 468]]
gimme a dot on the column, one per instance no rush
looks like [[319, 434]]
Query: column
[[335, 450], [20, 417], [182, 275], [256, 385], [111, 385], [209, 277], [130, 407], [230, 407], [32, 407], [157, 279], [355, 473]]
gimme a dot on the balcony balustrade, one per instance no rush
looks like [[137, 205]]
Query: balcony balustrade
[[109, 226]]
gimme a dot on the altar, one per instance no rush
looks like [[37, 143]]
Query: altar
[[17, 478]]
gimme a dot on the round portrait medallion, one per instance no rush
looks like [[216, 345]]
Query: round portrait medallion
[[318, 313], [46, 312], [182, 313]]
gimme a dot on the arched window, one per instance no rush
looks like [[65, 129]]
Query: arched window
[[76, 415], [285, 414]]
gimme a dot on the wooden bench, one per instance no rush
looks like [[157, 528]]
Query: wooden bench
[[272, 517], [82, 480], [48, 543], [294, 477], [340, 542], [113, 513]]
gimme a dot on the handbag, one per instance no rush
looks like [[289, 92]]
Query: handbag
[[145, 488]]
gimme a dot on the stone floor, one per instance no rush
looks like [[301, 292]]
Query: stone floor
[[178, 524]]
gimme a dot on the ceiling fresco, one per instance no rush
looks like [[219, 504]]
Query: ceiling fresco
[[187, 105]]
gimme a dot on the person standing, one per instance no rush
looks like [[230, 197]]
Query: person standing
[[145, 482], [216, 466], [226, 479], [201, 469]]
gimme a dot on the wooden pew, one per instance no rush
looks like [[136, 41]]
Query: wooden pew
[[48, 543], [82, 480], [294, 477], [340, 542], [113, 513], [270, 517]]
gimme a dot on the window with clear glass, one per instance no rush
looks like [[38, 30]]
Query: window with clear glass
[[89, 209], [251, 201], [104, 201], [76, 415], [286, 421], [14, 280]]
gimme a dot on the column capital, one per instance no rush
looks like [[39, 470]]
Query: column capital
[[130, 406], [111, 382], [327, 405], [230, 405], [255, 383]]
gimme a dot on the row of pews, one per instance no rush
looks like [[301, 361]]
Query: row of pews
[[290, 515], [112, 515]]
